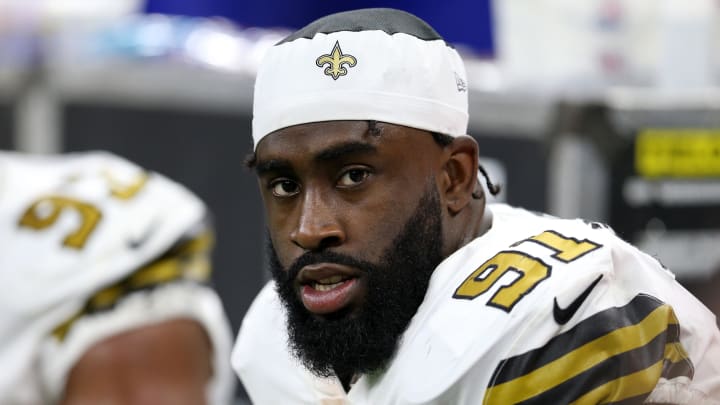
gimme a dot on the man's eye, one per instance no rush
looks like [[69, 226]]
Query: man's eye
[[284, 188], [353, 177]]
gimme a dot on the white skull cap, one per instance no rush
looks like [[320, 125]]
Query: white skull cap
[[373, 64]]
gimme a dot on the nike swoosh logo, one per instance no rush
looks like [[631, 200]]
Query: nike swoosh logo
[[136, 243], [563, 315]]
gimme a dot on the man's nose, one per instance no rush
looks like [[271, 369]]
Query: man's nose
[[318, 225]]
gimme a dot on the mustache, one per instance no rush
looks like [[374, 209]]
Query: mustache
[[309, 258]]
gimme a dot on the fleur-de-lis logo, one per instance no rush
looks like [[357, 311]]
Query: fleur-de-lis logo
[[336, 59]]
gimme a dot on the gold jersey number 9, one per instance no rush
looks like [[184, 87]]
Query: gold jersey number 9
[[529, 270], [45, 211]]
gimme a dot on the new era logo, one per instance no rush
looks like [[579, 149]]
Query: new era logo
[[461, 84]]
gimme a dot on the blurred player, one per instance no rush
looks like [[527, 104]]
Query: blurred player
[[396, 283], [104, 271]]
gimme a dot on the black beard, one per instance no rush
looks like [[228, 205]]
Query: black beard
[[365, 341]]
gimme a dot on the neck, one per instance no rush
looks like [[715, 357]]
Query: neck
[[479, 222], [475, 220]]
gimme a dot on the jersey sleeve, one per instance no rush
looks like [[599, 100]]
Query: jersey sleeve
[[173, 285], [614, 328], [121, 248]]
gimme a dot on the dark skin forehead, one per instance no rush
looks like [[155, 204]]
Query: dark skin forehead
[[325, 141]]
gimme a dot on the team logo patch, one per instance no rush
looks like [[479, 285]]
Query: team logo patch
[[336, 59]]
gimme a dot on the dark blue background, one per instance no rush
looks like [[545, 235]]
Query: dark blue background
[[458, 21]]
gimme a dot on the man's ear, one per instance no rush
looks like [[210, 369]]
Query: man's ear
[[460, 174]]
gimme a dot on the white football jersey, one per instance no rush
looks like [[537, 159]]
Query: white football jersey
[[93, 245], [538, 310]]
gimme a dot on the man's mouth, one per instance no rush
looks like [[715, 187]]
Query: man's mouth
[[328, 284], [328, 288]]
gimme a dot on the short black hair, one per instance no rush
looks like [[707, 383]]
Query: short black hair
[[388, 20], [442, 139]]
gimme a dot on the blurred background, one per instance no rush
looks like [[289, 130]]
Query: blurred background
[[602, 109]]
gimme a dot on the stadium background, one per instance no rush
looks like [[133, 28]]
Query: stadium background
[[608, 109]]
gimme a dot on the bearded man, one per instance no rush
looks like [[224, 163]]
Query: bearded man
[[395, 283]]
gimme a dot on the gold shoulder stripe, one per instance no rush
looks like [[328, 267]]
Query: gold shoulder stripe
[[106, 297], [200, 244], [586, 331], [159, 272], [189, 260], [677, 362], [561, 374], [62, 330], [638, 384], [577, 361]]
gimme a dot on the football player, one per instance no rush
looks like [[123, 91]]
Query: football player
[[395, 283], [105, 298]]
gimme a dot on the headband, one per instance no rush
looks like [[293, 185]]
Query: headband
[[373, 64]]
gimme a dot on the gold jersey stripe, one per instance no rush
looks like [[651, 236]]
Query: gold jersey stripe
[[188, 261], [157, 273], [675, 353], [106, 297], [201, 243], [628, 386], [677, 362], [591, 328], [62, 330], [198, 269], [584, 357]]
